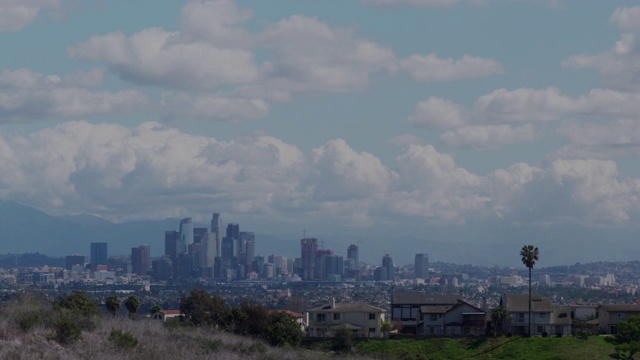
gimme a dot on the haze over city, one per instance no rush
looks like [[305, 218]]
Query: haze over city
[[462, 129]]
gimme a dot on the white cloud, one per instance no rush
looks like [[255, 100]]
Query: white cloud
[[15, 14], [311, 56], [25, 95], [476, 137], [438, 113], [157, 57], [412, 2], [216, 22], [154, 171], [204, 106], [405, 140], [431, 68]]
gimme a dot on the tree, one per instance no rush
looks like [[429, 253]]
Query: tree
[[283, 329], [202, 309], [529, 255], [112, 303], [155, 309], [132, 304], [628, 338], [500, 317], [80, 302]]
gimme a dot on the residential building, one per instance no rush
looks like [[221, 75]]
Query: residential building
[[518, 306], [405, 309], [460, 318], [609, 315], [361, 319]]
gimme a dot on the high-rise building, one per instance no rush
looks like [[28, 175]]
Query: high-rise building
[[141, 259], [245, 247], [186, 235], [388, 267], [233, 231], [171, 238], [421, 266], [308, 248], [99, 254], [216, 228], [199, 233], [352, 253], [75, 259], [227, 248], [334, 265], [210, 251], [321, 263]]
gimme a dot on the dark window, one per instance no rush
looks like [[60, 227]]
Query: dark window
[[336, 316], [372, 330], [433, 317], [372, 316], [321, 317]]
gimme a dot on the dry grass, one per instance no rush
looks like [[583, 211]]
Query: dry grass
[[32, 339]]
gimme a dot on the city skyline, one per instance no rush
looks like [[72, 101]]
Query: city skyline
[[445, 126]]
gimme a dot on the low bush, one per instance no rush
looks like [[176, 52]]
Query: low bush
[[123, 340]]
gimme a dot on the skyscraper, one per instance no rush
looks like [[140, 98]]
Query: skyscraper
[[186, 235], [352, 253], [227, 248], [389, 268], [308, 249], [141, 259], [421, 266], [99, 254], [216, 228]]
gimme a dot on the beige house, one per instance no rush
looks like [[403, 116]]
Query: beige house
[[609, 315], [461, 318], [406, 306], [164, 315], [362, 319], [541, 314]]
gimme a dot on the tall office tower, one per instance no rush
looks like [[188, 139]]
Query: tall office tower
[[352, 253], [387, 265], [280, 263], [245, 248], [196, 250], [141, 259], [334, 265], [209, 250], [216, 228], [99, 254], [421, 266], [171, 238], [75, 259], [321, 262], [162, 268], [186, 235], [227, 248], [308, 248], [198, 234], [233, 231]]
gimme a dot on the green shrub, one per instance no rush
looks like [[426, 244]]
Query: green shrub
[[123, 340], [67, 331], [28, 319]]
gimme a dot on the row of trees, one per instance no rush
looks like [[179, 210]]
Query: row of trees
[[276, 327]]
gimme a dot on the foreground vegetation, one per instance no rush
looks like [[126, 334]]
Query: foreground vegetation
[[72, 327]]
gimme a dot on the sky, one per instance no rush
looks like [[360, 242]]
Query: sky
[[355, 120]]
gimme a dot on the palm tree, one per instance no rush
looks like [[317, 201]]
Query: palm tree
[[529, 255], [132, 304], [112, 303]]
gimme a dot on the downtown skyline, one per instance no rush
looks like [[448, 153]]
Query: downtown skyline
[[408, 125]]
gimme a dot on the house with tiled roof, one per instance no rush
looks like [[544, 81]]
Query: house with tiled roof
[[541, 314], [164, 315], [609, 315], [460, 318], [406, 305], [361, 319]]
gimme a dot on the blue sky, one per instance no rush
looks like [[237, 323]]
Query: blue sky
[[341, 117]]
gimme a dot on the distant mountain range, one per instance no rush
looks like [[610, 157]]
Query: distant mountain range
[[25, 229]]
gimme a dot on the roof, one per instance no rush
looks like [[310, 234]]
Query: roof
[[561, 317], [347, 307], [170, 312], [288, 312], [520, 303], [620, 307], [435, 309], [418, 298]]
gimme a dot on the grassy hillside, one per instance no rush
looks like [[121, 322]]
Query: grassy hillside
[[489, 348]]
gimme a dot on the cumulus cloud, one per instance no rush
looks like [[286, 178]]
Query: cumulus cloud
[[619, 67], [475, 137], [155, 171], [438, 113], [26, 95], [215, 106], [412, 2], [405, 140], [15, 14], [431, 68]]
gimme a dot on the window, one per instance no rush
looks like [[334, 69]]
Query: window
[[433, 317], [541, 315], [321, 317], [372, 330], [620, 315], [372, 316], [336, 316], [540, 329], [520, 317]]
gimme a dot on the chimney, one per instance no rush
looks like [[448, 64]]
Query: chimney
[[333, 303], [484, 303]]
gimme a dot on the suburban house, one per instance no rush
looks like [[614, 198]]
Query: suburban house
[[164, 315], [561, 322], [460, 318], [300, 318], [362, 319], [406, 307], [541, 313], [609, 315]]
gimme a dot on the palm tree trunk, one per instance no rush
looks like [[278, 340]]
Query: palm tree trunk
[[529, 302]]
